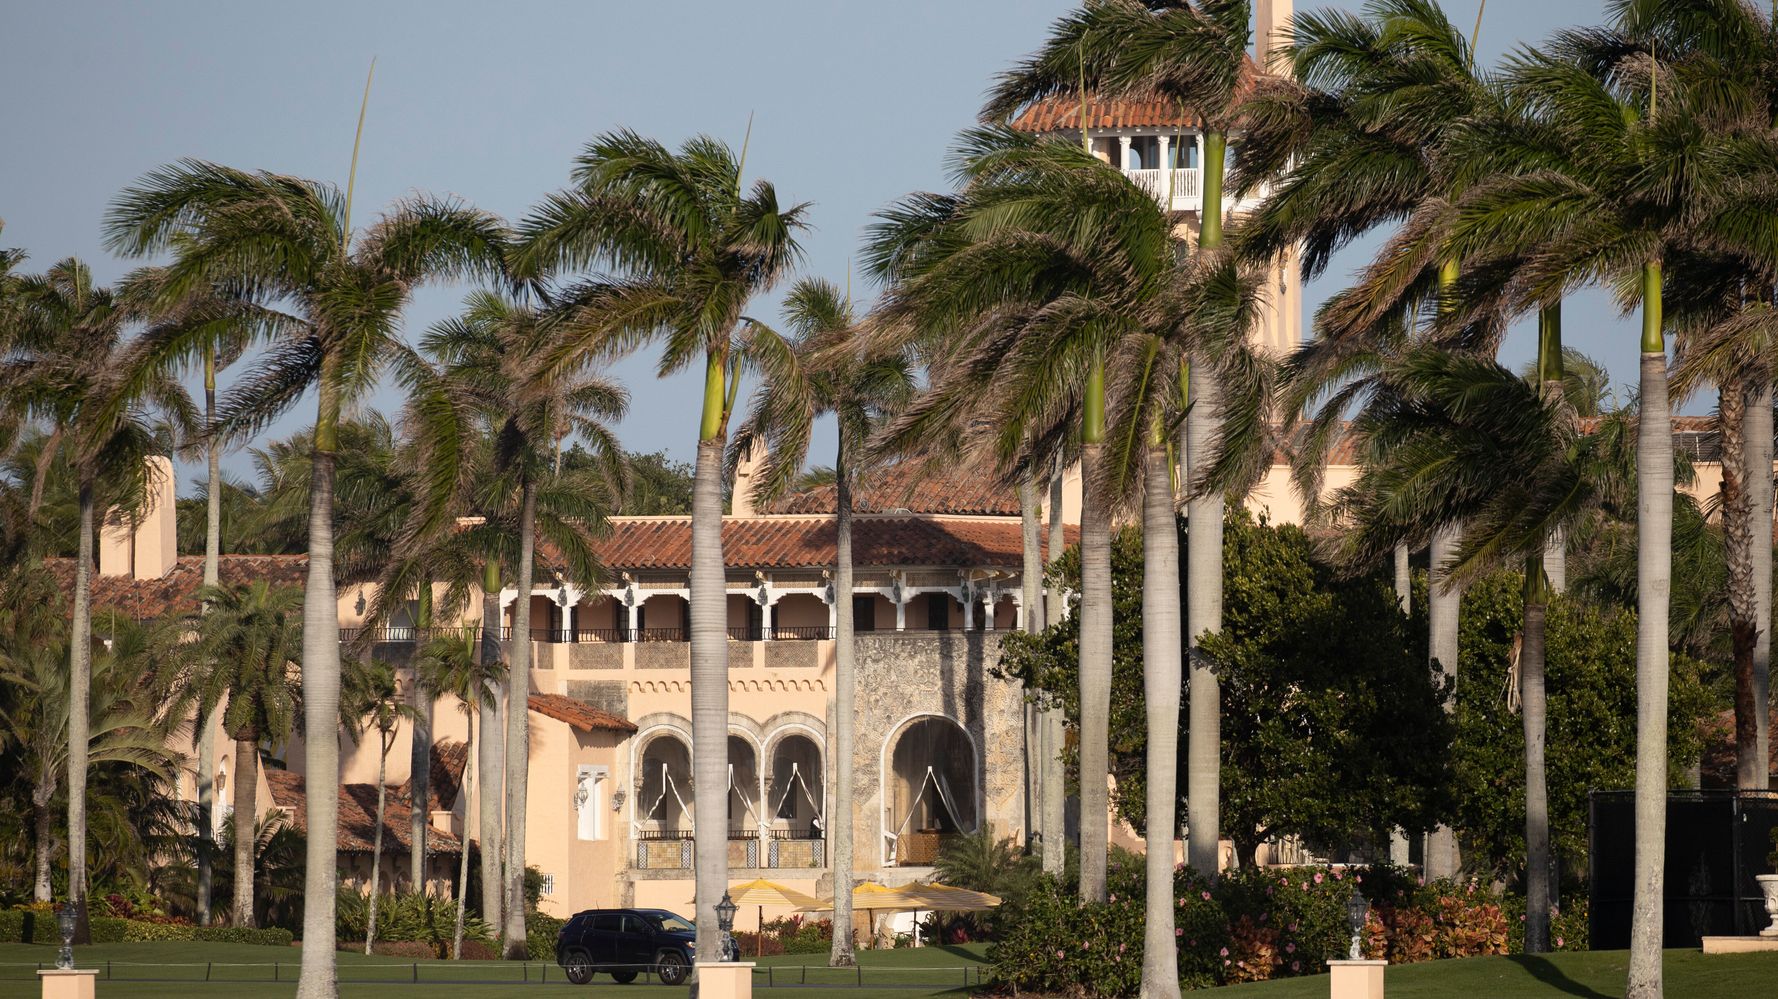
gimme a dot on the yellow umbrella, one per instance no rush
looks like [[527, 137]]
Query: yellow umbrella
[[948, 898], [761, 893]]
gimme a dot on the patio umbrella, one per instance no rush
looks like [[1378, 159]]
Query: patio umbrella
[[761, 893], [945, 898]]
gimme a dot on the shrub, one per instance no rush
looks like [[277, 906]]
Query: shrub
[[1249, 925], [138, 930], [394, 948], [428, 919], [476, 950], [540, 935], [787, 935]]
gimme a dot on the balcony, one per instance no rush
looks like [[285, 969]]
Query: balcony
[[780, 849], [1187, 186]]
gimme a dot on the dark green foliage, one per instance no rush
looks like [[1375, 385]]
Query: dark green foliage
[[540, 935], [1324, 685], [1592, 722], [38, 926], [405, 918]]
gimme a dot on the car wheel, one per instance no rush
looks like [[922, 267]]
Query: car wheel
[[672, 968], [579, 966], [623, 977]]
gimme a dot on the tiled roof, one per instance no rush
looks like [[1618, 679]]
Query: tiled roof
[[144, 598], [797, 542], [901, 488], [578, 714], [1062, 113], [445, 779], [358, 809]]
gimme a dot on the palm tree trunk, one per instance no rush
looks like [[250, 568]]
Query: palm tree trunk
[[1738, 548], [80, 678], [43, 833], [1031, 620], [1442, 607], [1404, 581], [212, 577], [376, 844], [1654, 582], [1758, 484], [518, 731], [1537, 804], [246, 803], [492, 771], [1204, 512], [420, 752], [463, 841], [709, 690], [321, 704], [1095, 645], [1161, 664], [839, 824], [1054, 725]]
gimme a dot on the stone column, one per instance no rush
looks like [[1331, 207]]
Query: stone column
[[1123, 152]]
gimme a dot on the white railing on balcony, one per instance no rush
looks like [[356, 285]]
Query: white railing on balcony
[[1187, 188]]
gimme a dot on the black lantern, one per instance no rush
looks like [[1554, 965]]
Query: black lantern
[[1356, 911], [65, 920], [725, 921]]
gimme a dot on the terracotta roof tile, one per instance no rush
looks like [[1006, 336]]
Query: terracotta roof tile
[[176, 591], [1062, 113], [445, 778], [798, 542], [581, 715], [901, 488], [357, 820]]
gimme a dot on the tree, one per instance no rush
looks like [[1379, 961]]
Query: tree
[[124, 726], [68, 366], [824, 371], [370, 698], [452, 667], [247, 667], [1326, 685], [290, 241], [486, 381], [691, 249], [1591, 652]]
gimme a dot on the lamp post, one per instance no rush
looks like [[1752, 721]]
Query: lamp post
[[1356, 911], [65, 920], [725, 921]]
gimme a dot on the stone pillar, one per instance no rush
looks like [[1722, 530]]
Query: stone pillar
[[1356, 979], [68, 983], [1123, 152], [765, 620], [725, 979]]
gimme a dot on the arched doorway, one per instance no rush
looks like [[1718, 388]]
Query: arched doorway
[[930, 791], [664, 805]]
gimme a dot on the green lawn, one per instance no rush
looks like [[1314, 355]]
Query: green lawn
[[180, 970], [1583, 975], [241, 970]]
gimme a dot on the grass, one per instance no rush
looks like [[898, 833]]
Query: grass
[[243, 970], [1583, 975], [247, 971]]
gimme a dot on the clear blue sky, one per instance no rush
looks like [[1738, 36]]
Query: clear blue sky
[[854, 105]]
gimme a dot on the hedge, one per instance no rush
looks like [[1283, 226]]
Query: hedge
[[16, 925]]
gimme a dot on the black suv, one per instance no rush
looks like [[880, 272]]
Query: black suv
[[626, 942]]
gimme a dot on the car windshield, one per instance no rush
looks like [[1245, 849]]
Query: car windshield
[[672, 923]]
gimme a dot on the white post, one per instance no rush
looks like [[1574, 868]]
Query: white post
[[968, 609], [901, 614], [1123, 152], [765, 620]]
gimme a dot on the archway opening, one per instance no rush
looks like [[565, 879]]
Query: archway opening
[[932, 792], [744, 812], [796, 795], [665, 802]]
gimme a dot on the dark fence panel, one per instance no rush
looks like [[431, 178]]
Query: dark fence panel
[[1717, 842]]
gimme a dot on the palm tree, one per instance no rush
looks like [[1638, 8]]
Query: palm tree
[[1642, 180], [370, 698], [823, 371], [1024, 289], [691, 249], [290, 241], [1190, 55], [1462, 439], [452, 667], [125, 725], [487, 380], [67, 366], [246, 667]]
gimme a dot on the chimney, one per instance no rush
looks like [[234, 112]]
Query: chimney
[[1271, 30], [147, 548], [746, 472]]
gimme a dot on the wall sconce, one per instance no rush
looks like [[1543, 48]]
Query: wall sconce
[[617, 801]]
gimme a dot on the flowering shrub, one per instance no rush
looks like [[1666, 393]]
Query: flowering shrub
[[789, 935], [1249, 925]]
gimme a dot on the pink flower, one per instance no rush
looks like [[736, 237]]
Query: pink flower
[[1113, 897], [1225, 952], [1319, 877], [1225, 962], [1191, 943], [1290, 948], [1179, 933], [1293, 927], [1338, 875], [1558, 941], [1296, 965], [1122, 947], [1206, 896], [1358, 878], [1060, 954], [1306, 884]]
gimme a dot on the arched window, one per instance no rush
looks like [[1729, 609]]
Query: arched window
[[795, 794], [930, 790], [665, 782], [744, 814]]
